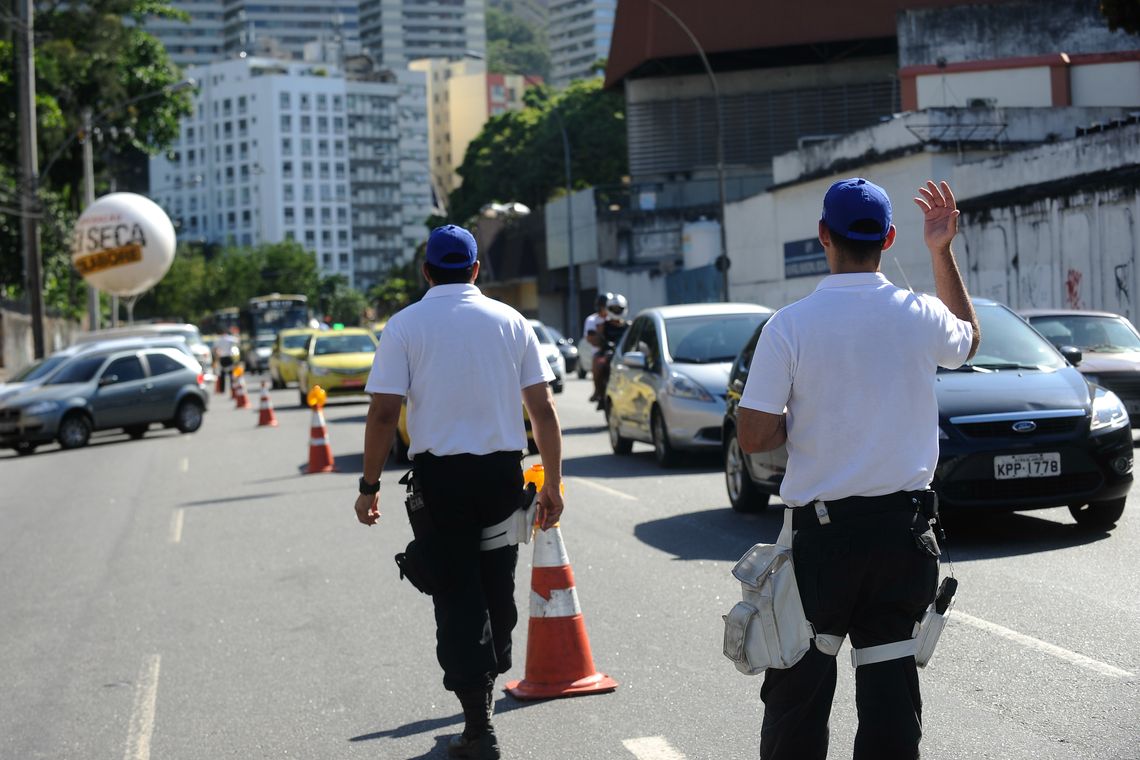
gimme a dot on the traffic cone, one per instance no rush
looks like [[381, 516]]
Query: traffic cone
[[266, 417], [320, 452], [558, 658], [241, 401]]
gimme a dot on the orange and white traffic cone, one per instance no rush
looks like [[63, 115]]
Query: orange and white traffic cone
[[320, 452], [241, 401], [558, 658], [266, 417]]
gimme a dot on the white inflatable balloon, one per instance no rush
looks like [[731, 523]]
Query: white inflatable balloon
[[123, 244]]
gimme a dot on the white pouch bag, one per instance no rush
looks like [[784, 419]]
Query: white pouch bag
[[768, 628]]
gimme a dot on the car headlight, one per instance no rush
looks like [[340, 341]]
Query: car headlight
[[319, 370], [683, 386], [1108, 412], [43, 407]]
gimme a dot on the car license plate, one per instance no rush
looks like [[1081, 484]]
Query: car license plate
[[352, 384], [1027, 466]]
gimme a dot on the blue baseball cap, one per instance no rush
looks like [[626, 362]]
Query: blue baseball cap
[[857, 200], [451, 247]]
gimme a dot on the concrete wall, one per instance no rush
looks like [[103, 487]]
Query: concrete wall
[[1052, 226], [585, 230], [642, 288], [16, 346]]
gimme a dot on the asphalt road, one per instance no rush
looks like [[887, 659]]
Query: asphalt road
[[197, 597]]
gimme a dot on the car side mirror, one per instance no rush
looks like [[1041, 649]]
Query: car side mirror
[[108, 380], [1072, 353], [634, 360]]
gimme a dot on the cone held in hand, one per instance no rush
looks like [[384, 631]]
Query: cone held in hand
[[558, 658]]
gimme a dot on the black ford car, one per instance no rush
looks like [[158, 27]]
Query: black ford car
[[1019, 428]]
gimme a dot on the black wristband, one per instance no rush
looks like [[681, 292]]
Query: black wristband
[[367, 489]]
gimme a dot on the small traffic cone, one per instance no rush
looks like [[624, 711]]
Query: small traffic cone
[[558, 658], [320, 452], [241, 401], [266, 417]]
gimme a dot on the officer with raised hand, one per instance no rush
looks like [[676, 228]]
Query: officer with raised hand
[[845, 378], [466, 364]]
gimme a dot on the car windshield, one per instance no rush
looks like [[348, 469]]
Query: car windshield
[[39, 370], [79, 370], [1008, 342], [1088, 332], [711, 338], [343, 344], [542, 333], [264, 342], [295, 341]]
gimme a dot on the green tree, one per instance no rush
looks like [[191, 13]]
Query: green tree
[[518, 155], [515, 46], [1122, 14], [93, 54]]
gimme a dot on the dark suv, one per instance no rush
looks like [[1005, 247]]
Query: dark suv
[[1019, 428]]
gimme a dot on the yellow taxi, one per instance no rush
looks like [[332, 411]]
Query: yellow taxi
[[378, 327], [402, 445], [289, 350], [337, 360]]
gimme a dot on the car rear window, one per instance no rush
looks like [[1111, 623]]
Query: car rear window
[[343, 344], [79, 370], [162, 364]]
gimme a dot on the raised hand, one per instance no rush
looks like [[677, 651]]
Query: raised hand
[[940, 212]]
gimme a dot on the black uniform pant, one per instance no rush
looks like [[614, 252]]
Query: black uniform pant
[[475, 605], [869, 578]]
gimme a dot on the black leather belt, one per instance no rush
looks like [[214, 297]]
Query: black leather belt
[[854, 507]]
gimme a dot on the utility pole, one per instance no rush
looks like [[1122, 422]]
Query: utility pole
[[29, 197], [572, 280], [88, 199]]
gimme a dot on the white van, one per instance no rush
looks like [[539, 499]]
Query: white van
[[186, 331]]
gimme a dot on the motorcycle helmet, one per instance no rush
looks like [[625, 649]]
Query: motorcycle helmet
[[616, 306]]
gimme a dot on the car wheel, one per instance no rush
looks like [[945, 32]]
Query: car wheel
[[136, 431], [74, 431], [619, 444], [24, 448], [742, 492], [663, 451], [188, 416], [1099, 515], [581, 373]]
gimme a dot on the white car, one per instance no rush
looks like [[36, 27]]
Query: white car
[[550, 351]]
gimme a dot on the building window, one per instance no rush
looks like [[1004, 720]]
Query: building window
[[241, 104], [326, 194], [286, 123], [338, 124], [290, 235], [310, 238], [287, 194], [286, 147], [287, 169], [341, 215], [323, 148], [322, 102], [306, 146], [307, 193], [324, 169], [306, 170], [338, 104], [326, 238], [326, 215], [322, 124], [309, 217], [306, 103], [285, 100], [306, 124]]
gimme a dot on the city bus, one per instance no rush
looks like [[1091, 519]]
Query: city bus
[[273, 312]]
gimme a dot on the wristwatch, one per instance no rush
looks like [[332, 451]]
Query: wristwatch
[[367, 489]]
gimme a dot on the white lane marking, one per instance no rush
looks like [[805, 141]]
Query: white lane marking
[[652, 748], [184, 464], [176, 522], [142, 715], [606, 489], [1041, 646]]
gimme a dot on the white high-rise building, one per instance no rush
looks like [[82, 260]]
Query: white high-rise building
[[265, 157], [395, 32], [196, 42], [579, 32]]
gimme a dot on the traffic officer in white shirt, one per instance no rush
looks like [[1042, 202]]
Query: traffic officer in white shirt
[[466, 365], [845, 377]]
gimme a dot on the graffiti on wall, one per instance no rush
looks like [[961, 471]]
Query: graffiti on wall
[[1073, 289]]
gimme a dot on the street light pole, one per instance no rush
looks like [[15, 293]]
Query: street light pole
[[572, 280], [88, 199], [723, 263], [29, 198]]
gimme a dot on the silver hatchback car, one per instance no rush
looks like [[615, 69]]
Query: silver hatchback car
[[669, 376], [125, 388]]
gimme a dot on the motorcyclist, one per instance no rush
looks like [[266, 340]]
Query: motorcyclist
[[609, 333]]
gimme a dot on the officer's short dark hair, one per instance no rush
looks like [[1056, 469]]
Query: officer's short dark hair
[[444, 276], [860, 250]]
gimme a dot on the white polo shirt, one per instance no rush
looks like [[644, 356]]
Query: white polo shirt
[[593, 322], [462, 360], [855, 364]]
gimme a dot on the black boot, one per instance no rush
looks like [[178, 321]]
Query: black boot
[[478, 740]]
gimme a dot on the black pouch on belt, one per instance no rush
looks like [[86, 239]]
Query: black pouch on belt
[[413, 563]]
